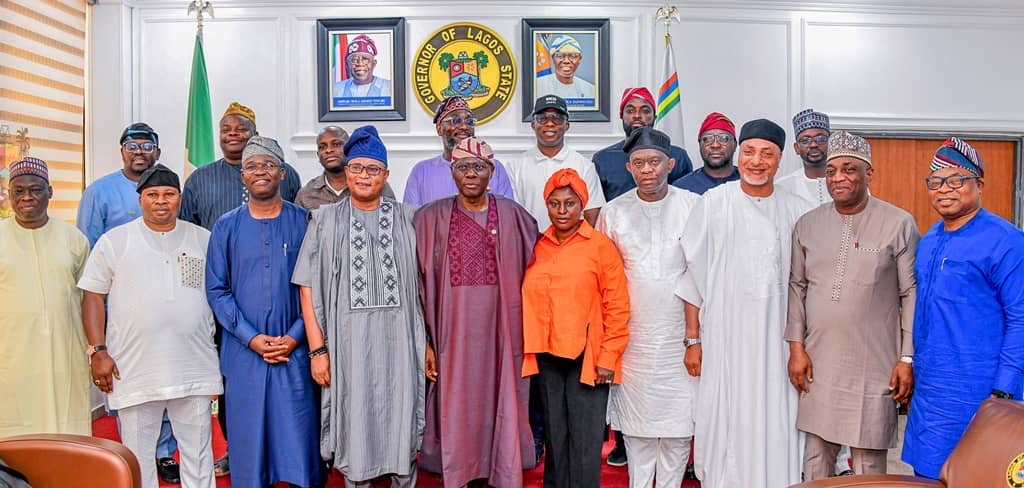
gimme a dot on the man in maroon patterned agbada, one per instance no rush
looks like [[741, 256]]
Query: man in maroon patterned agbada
[[473, 249]]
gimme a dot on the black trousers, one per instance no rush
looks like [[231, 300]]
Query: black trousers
[[574, 421]]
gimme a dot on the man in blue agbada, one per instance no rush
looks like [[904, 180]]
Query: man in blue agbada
[[273, 427], [969, 317]]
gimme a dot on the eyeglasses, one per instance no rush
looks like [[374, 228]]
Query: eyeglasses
[[543, 118], [357, 169], [146, 147], [807, 140], [723, 139], [34, 192], [639, 164], [569, 56], [465, 167], [953, 181], [255, 167], [456, 120]]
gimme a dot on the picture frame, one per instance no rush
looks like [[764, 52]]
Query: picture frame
[[580, 75], [361, 72]]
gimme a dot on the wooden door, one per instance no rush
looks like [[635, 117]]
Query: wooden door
[[901, 166]]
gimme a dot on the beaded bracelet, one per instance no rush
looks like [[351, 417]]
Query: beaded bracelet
[[320, 351]]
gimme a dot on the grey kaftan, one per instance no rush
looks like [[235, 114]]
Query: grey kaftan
[[361, 267], [851, 302]]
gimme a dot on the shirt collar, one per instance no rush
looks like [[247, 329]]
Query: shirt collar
[[322, 183], [560, 157], [585, 231]]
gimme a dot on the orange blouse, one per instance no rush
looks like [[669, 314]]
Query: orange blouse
[[575, 300]]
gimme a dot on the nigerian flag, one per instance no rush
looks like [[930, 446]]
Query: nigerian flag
[[670, 109], [199, 123]]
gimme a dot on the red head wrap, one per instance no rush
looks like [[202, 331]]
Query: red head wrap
[[716, 120], [641, 93]]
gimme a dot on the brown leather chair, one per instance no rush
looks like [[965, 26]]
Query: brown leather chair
[[71, 461], [993, 440]]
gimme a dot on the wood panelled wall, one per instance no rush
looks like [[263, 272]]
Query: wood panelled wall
[[901, 166]]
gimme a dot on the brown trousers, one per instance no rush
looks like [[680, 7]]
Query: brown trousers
[[820, 459]]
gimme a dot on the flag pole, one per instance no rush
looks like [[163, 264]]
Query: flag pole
[[668, 14]]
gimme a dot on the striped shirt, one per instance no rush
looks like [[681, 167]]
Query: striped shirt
[[216, 189]]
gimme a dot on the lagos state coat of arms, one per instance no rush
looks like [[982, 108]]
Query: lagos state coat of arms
[[467, 60]]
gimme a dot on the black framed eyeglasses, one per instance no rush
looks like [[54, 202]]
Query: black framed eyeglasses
[[953, 181], [146, 147], [807, 140]]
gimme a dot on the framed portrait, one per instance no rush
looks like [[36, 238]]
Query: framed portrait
[[568, 58], [360, 69]]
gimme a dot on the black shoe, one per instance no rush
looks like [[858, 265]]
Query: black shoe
[[221, 467], [168, 470], [617, 456]]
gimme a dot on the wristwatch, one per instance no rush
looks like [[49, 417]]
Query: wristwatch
[[1001, 394], [691, 341], [95, 349], [907, 359]]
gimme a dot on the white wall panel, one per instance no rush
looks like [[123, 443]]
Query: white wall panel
[[922, 64]]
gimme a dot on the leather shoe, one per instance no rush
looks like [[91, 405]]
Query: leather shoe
[[168, 470], [617, 456], [221, 467]]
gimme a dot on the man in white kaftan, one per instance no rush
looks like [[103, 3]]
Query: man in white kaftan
[[653, 406], [156, 352], [737, 244]]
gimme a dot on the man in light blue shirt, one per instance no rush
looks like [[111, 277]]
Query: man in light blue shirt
[[111, 201]]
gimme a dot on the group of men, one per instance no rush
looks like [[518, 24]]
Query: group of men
[[388, 336]]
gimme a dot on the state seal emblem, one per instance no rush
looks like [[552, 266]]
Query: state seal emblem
[[467, 60], [1015, 472]]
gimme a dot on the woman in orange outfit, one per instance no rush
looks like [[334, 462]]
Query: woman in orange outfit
[[575, 310]]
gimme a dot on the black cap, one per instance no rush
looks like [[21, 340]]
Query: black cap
[[139, 130], [763, 129], [647, 138], [158, 175], [550, 101]]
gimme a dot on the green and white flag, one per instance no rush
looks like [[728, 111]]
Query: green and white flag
[[199, 124]]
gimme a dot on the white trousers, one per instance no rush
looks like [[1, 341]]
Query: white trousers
[[190, 419], [656, 458], [843, 460]]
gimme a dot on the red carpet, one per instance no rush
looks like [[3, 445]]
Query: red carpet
[[106, 427]]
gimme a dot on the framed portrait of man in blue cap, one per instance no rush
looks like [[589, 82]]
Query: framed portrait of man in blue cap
[[361, 69], [568, 58]]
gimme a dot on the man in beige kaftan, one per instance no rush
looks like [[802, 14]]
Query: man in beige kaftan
[[851, 309], [44, 368]]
